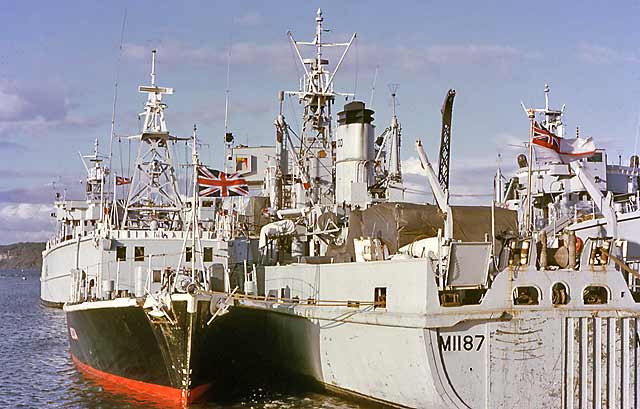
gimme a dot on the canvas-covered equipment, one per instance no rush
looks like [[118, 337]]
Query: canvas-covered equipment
[[398, 224]]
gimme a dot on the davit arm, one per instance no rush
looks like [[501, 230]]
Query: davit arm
[[602, 203], [441, 196]]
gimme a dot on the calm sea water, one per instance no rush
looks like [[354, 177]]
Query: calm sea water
[[36, 369]]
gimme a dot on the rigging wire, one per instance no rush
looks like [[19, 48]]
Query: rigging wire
[[355, 87], [373, 86], [294, 58], [429, 193], [635, 148], [295, 116]]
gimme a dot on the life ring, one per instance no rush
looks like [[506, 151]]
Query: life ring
[[578, 244]]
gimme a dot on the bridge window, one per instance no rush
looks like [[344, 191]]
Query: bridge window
[[138, 253], [121, 253], [595, 294], [528, 295], [559, 294], [208, 254], [596, 157]]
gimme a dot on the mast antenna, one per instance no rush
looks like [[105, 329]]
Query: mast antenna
[[373, 85], [226, 91], [228, 136], [115, 91]]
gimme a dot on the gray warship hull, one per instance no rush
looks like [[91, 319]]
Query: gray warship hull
[[416, 353]]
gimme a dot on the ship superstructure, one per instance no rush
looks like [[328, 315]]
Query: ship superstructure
[[591, 196], [128, 229]]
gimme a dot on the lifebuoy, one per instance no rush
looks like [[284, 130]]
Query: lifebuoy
[[578, 244]]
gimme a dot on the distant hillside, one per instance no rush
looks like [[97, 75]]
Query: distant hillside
[[21, 255]]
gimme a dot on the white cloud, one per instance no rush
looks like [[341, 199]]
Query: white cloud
[[25, 222], [412, 166], [471, 180], [11, 104]]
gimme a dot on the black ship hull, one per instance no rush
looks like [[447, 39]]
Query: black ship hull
[[175, 357], [129, 352]]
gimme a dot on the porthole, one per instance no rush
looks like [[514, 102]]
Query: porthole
[[559, 294], [526, 295], [595, 294]]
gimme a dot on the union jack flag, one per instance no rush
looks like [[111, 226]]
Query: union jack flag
[[121, 180], [545, 138], [214, 183]]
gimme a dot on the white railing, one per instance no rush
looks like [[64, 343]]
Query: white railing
[[159, 234]]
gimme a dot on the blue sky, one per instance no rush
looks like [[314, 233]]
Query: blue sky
[[58, 63]]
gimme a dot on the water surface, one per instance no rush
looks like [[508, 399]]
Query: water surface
[[36, 370]]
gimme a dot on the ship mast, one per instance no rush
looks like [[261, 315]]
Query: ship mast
[[96, 174], [153, 199], [391, 136], [314, 171], [395, 170], [553, 122]]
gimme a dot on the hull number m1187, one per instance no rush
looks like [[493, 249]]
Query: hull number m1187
[[460, 342]]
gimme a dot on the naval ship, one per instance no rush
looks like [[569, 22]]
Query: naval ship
[[424, 306], [149, 288]]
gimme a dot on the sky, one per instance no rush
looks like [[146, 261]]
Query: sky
[[59, 62]]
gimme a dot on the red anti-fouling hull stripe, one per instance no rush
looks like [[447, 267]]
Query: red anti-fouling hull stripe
[[143, 390]]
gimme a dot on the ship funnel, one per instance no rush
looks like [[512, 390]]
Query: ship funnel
[[354, 154], [634, 161]]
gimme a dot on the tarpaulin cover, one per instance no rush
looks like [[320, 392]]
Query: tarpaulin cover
[[398, 224]]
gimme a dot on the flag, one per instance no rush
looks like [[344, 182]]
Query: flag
[[551, 148], [214, 183], [121, 180]]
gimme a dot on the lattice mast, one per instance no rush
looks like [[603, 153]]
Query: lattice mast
[[153, 199], [314, 170]]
